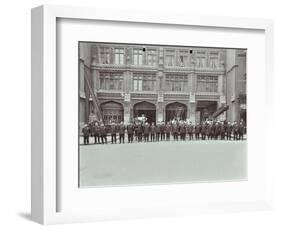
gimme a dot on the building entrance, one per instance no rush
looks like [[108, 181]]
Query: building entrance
[[176, 111], [112, 112], [205, 109], [145, 109]]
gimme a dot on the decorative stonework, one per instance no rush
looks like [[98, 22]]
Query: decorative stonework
[[192, 98], [222, 99], [127, 97], [160, 97]]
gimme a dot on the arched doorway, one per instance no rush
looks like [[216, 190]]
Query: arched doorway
[[205, 109], [147, 109], [176, 111], [112, 111]]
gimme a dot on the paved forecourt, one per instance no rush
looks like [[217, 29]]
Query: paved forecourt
[[162, 162]]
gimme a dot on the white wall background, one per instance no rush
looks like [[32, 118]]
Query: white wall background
[[15, 112]]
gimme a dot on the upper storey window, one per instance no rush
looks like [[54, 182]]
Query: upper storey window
[[151, 57], [119, 56], [183, 58], [104, 55], [170, 58], [138, 56], [214, 60], [201, 59], [207, 84]]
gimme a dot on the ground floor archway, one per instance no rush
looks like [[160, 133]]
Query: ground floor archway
[[205, 109], [112, 112], [176, 111], [145, 109]]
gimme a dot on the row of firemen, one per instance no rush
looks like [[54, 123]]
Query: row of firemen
[[182, 130]]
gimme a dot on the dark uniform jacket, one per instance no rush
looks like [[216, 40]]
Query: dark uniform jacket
[[139, 129], [162, 128], [182, 128], [113, 129], [175, 128], [190, 129], [153, 129], [146, 129], [241, 128], [217, 129], [235, 128], [223, 129], [130, 129], [228, 128], [86, 131], [168, 128], [103, 130], [121, 129], [198, 128], [96, 129]]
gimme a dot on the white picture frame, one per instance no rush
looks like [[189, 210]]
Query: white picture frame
[[47, 183]]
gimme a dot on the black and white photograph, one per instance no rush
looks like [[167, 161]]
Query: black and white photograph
[[161, 114]]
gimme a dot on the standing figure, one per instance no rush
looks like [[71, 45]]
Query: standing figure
[[213, 128], [157, 132], [113, 133], [86, 134], [136, 127], [103, 133], [175, 131], [140, 132], [217, 130], [235, 131], [130, 132], [241, 130], [162, 131], [146, 130], [223, 130], [121, 130], [168, 130], [152, 132], [197, 131], [96, 132], [182, 130], [204, 127], [190, 130], [228, 131], [208, 130]]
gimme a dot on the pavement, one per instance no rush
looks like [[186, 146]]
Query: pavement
[[162, 162]]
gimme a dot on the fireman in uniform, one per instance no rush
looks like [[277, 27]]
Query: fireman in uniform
[[228, 131], [113, 131], [130, 132], [190, 130], [197, 131], [96, 132], [240, 130], [162, 131], [103, 133], [121, 130], [146, 130], [86, 133], [157, 131], [182, 130], [175, 130], [152, 132], [168, 130]]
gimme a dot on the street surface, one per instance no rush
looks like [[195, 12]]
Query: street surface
[[162, 162]]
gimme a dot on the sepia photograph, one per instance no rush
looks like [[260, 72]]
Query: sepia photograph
[[161, 114]]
